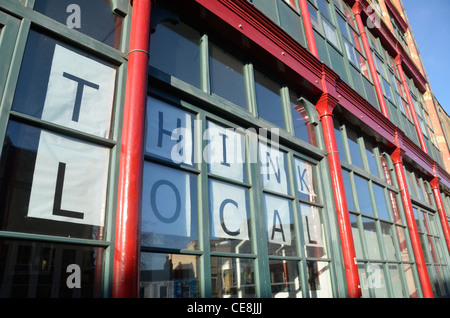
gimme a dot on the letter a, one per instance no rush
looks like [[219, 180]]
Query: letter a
[[73, 281], [74, 20]]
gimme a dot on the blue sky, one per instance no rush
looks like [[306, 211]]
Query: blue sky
[[429, 23]]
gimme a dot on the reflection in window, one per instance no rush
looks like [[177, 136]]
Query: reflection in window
[[175, 50], [365, 202], [169, 276], [319, 279], [38, 270], [268, 99], [303, 128], [284, 279], [232, 277], [227, 76], [93, 18]]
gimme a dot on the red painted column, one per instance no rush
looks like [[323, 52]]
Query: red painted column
[[441, 210], [397, 158], [127, 239], [325, 108], [357, 8], [308, 28], [398, 61]]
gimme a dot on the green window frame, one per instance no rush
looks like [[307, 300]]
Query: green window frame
[[382, 244], [305, 270], [54, 248]]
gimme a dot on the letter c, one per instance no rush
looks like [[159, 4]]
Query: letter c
[[222, 207]]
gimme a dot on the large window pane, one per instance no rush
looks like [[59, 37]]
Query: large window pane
[[365, 202], [232, 277], [63, 85], [285, 279], [319, 279], [44, 270], [44, 175], [370, 235], [280, 226], [229, 218], [388, 240], [169, 276], [169, 208], [227, 76], [175, 50], [93, 18], [356, 236], [314, 231], [303, 128], [268, 99]]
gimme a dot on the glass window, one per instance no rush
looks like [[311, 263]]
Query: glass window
[[273, 166], [303, 128], [364, 200], [43, 270], [44, 175], [356, 235], [280, 226], [227, 76], [380, 202], [330, 33], [319, 279], [371, 158], [229, 218], [353, 146], [175, 50], [348, 190], [268, 99], [387, 237], [169, 208], [232, 277], [62, 85], [93, 18], [314, 231], [284, 279], [370, 235], [169, 276]]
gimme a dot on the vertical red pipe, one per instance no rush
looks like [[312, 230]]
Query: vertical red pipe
[[441, 210], [397, 158], [357, 8], [127, 239], [398, 61], [325, 108], [308, 27]]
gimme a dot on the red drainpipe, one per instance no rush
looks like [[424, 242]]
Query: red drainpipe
[[325, 108], [441, 210], [357, 8], [397, 158], [127, 239], [398, 61], [308, 28]]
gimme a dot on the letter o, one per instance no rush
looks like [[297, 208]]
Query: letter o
[[153, 201]]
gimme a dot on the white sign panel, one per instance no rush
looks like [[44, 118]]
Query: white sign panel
[[305, 182], [166, 201], [169, 132], [278, 219], [228, 211], [273, 169], [225, 152], [80, 93], [69, 181]]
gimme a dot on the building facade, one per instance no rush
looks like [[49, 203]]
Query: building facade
[[219, 148]]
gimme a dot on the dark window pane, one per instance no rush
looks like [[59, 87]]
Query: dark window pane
[[93, 18], [380, 201], [284, 279], [49, 270], [227, 76], [175, 50], [348, 190], [362, 188], [339, 142], [268, 99], [353, 146], [232, 277]]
